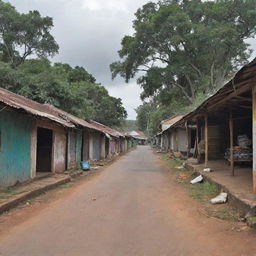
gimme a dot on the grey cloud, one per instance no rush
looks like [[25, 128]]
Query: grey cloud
[[89, 33]]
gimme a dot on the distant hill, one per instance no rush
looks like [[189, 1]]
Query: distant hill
[[129, 125]]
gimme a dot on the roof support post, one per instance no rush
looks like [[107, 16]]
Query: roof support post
[[231, 138], [188, 139], [254, 136], [206, 137], [197, 137]]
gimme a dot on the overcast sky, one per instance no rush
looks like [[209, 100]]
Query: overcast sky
[[89, 33]]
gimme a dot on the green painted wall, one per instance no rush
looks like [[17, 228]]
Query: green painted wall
[[79, 138], [15, 145]]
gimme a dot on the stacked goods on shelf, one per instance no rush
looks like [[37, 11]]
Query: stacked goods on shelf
[[242, 152]]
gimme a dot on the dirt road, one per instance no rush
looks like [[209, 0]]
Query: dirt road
[[132, 208]]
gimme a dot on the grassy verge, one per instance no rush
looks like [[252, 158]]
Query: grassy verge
[[202, 192]]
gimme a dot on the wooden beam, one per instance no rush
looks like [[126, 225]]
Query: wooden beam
[[236, 92], [243, 98], [254, 136], [247, 107], [206, 139], [231, 138]]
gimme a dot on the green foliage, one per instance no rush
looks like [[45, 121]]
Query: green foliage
[[184, 50], [22, 35], [204, 191], [40, 81], [71, 89]]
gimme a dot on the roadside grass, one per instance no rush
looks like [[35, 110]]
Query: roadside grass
[[66, 185], [223, 212], [172, 163], [7, 193], [201, 192]]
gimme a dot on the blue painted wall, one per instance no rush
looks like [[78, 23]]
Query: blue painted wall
[[15, 155]]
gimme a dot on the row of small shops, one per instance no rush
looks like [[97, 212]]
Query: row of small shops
[[39, 138], [221, 130]]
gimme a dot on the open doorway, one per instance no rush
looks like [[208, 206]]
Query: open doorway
[[44, 150], [106, 147]]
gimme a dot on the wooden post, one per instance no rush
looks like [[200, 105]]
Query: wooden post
[[196, 153], [254, 136], [206, 139], [188, 137], [231, 138]]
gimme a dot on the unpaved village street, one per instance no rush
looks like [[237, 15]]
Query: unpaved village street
[[132, 208]]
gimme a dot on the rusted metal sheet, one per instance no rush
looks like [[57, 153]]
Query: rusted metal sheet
[[18, 102], [60, 140], [243, 81], [106, 129]]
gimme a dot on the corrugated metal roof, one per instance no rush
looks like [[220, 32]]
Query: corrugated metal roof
[[242, 78], [106, 129], [74, 119], [138, 135], [19, 102], [172, 120]]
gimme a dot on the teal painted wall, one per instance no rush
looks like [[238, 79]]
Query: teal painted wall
[[15, 148], [79, 139]]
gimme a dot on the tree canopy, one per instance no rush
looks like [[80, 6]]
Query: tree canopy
[[22, 35], [25, 44], [183, 49], [45, 83]]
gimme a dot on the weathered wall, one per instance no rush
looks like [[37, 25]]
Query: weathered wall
[[15, 147], [60, 144], [71, 156], [182, 140], [74, 148], [85, 146], [79, 141], [172, 141], [91, 137], [96, 145], [112, 146], [103, 147], [126, 144]]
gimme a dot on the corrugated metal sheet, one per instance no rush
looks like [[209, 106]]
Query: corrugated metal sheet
[[19, 102], [172, 120], [243, 78], [106, 129], [71, 118], [44, 110]]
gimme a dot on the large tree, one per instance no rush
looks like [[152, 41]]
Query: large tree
[[23, 35], [38, 80], [182, 48]]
